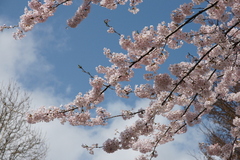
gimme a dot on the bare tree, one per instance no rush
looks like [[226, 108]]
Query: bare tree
[[18, 140], [221, 121]]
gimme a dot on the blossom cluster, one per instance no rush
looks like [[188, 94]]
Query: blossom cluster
[[38, 12], [81, 14]]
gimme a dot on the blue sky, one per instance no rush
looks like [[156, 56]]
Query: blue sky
[[45, 62]]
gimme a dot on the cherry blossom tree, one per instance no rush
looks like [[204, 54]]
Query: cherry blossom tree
[[194, 85]]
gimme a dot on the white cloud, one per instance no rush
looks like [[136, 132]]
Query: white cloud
[[19, 59], [68, 89]]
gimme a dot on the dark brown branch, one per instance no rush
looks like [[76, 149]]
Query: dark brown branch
[[106, 22], [231, 154], [84, 71], [188, 73], [142, 57], [185, 111], [190, 19]]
